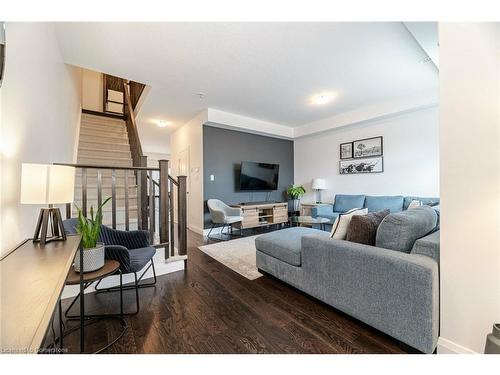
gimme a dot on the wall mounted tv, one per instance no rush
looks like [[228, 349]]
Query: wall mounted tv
[[259, 176]]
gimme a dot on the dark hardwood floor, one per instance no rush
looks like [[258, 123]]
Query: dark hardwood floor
[[208, 308]]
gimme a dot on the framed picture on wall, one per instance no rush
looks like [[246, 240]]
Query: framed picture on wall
[[369, 147], [360, 166], [346, 150]]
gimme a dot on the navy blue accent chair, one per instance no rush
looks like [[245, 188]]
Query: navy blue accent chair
[[130, 248]]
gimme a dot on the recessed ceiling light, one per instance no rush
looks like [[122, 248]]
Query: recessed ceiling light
[[163, 123], [322, 98]]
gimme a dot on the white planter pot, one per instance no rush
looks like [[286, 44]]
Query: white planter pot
[[294, 205], [93, 258]]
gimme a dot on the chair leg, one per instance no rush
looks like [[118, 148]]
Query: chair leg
[[136, 287], [212, 228], [222, 233], [136, 293], [129, 287]]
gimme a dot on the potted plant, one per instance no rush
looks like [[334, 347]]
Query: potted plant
[[295, 192], [89, 229]]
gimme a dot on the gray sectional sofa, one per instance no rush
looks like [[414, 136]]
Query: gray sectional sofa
[[393, 286]]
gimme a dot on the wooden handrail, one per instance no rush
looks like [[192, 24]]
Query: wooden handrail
[[135, 143], [156, 183], [136, 90], [94, 166]]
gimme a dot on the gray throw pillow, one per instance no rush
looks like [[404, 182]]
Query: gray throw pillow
[[399, 231], [363, 229]]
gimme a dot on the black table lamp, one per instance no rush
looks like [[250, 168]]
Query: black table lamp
[[47, 184]]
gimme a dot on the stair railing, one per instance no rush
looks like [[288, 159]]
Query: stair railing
[[163, 237], [133, 135]]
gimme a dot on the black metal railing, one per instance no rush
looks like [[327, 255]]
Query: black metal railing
[[152, 196]]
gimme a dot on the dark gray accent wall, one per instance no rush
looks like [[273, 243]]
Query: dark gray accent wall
[[223, 152]]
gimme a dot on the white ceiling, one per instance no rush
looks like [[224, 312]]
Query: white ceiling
[[266, 71]]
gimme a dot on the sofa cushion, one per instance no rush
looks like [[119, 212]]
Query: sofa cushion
[[363, 228], [344, 203], [414, 204], [399, 231], [437, 208], [428, 245], [393, 203], [424, 200], [285, 244], [341, 224]]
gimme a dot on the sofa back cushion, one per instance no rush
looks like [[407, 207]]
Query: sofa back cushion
[[344, 203], [428, 245], [424, 200], [393, 203], [341, 224], [363, 228], [399, 231]]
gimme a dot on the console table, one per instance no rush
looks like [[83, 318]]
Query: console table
[[32, 279], [262, 214]]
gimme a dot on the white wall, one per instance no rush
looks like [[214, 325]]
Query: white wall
[[40, 115], [190, 137], [153, 158], [470, 184], [411, 157], [92, 86]]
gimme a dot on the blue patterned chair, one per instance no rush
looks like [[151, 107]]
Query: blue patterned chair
[[130, 248]]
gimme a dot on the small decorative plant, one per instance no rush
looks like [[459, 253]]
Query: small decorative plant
[[89, 228], [296, 191]]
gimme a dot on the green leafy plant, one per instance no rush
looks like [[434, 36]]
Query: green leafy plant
[[296, 191], [89, 229]]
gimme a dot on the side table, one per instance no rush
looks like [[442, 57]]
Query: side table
[[309, 221], [110, 267], [305, 208]]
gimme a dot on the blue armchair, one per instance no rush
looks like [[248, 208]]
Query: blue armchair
[[130, 248]]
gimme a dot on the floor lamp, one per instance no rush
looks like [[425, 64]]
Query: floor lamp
[[47, 184]]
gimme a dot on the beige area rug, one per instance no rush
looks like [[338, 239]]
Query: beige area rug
[[238, 254]]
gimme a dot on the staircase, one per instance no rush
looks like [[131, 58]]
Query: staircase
[[104, 141], [110, 163]]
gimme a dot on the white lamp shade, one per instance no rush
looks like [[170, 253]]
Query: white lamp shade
[[319, 184], [47, 184]]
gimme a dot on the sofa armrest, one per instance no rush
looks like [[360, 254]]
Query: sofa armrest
[[322, 211], [133, 239], [428, 245], [395, 292]]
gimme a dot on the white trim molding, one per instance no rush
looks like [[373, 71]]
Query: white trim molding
[[234, 121], [195, 229], [376, 111], [369, 113], [445, 346]]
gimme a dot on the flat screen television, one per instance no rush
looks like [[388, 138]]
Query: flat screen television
[[259, 176]]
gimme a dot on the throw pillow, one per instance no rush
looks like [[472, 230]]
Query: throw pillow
[[363, 228], [339, 229], [414, 204]]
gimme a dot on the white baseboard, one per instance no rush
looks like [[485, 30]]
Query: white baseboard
[[161, 268], [445, 346], [196, 229]]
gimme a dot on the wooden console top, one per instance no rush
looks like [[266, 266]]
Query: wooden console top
[[32, 279], [259, 205]]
